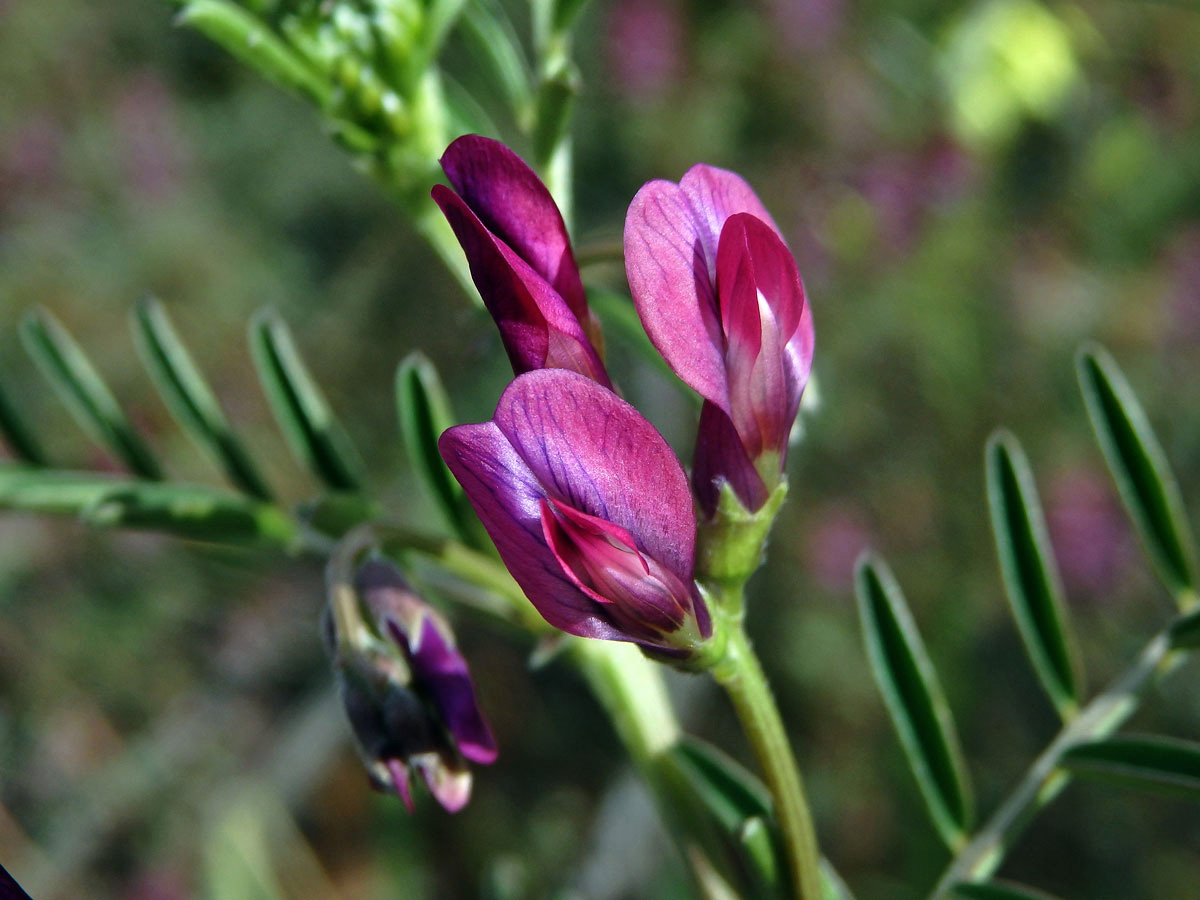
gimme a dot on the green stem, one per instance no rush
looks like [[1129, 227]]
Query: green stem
[[1044, 780], [633, 694], [742, 677]]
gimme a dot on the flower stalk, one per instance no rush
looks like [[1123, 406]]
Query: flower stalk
[[742, 677]]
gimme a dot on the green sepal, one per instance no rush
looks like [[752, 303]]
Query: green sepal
[[730, 544], [1151, 762], [914, 698], [63, 363], [1143, 475], [997, 890], [190, 399], [1031, 576], [313, 432], [253, 42], [425, 413]]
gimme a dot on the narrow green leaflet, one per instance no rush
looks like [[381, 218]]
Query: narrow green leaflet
[[997, 890], [253, 42], [1141, 470], [17, 435], [55, 492], [1142, 761], [552, 110], [190, 399], [197, 512], [425, 413], [914, 698], [313, 432], [1185, 631], [832, 885], [1030, 575], [64, 364], [493, 43], [733, 819]]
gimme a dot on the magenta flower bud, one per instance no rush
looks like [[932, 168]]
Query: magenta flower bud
[[520, 257], [408, 693], [589, 509], [721, 298]]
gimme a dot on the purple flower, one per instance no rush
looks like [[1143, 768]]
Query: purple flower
[[407, 692], [589, 509], [720, 296], [520, 257]]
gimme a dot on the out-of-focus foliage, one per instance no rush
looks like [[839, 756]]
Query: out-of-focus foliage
[[971, 190]]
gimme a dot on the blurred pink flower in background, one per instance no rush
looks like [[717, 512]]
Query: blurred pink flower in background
[[903, 187], [30, 157], [150, 148], [807, 24], [645, 47], [1183, 297], [837, 533], [1088, 531]]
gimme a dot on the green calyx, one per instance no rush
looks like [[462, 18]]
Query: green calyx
[[730, 543]]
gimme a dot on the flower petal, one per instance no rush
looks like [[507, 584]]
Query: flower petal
[[593, 451], [516, 206], [762, 305], [642, 597], [442, 673], [537, 327], [507, 498], [672, 233], [720, 457], [671, 287]]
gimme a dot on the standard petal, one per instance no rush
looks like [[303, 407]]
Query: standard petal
[[442, 673], [714, 195], [537, 327], [672, 232], [590, 449], [516, 206], [507, 497], [669, 278]]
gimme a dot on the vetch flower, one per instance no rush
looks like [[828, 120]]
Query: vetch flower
[[720, 297], [520, 257], [406, 689], [589, 509]]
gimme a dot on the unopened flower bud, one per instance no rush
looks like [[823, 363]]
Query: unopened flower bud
[[406, 689]]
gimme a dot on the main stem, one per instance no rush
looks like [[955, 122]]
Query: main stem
[[1045, 780], [742, 677]]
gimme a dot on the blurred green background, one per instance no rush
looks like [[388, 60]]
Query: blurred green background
[[971, 189]]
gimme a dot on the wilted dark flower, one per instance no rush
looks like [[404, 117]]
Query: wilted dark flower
[[720, 296], [520, 257], [9, 889], [589, 509], [407, 691]]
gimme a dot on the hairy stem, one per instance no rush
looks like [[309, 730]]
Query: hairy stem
[[742, 677], [1045, 780]]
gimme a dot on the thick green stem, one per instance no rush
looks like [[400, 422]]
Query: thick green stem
[[632, 692], [742, 677], [1045, 780]]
